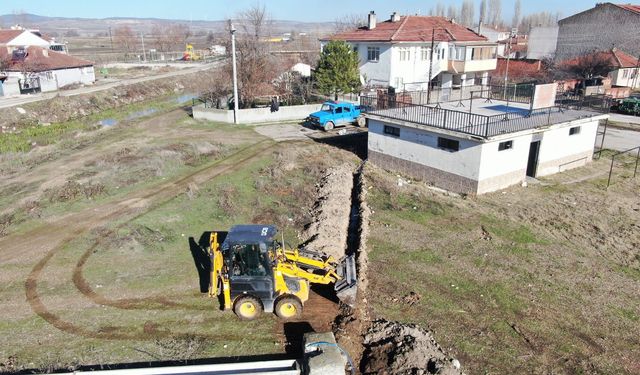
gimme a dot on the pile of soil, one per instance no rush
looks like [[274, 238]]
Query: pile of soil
[[396, 348], [328, 229]]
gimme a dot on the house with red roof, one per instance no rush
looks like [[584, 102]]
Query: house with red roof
[[21, 37], [398, 52], [625, 69], [37, 69], [600, 28]]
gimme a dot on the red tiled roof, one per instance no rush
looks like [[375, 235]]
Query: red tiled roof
[[526, 68], [630, 7], [617, 58], [8, 35], [41, 59], [411, 29]]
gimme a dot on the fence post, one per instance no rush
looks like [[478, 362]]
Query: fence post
[[610, 170], [636, 168], [486, 128], [549, 116]]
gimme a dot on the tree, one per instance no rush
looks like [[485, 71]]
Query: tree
[[452, 12], [337, 71], [467, 13], [517, 13], [495, 12], [483, 11], [593, 65], [210, 37], [349, 22], [125, 38]]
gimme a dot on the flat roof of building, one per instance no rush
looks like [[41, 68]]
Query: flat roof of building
[[478, 117]]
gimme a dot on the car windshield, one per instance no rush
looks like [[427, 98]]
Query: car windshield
[[326, 108]]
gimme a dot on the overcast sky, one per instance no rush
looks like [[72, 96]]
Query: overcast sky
[[302, 10]]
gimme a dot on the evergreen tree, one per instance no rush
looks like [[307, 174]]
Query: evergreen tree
[[337, 70]]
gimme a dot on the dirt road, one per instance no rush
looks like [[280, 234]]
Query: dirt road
[[24, 99]]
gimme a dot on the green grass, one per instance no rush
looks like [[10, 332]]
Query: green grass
[[24, 139]]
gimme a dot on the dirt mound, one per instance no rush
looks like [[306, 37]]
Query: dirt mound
[[327, 232], [396, 348]]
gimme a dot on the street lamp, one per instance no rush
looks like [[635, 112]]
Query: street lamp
[[232, 30]]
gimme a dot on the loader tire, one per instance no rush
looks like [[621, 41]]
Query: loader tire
[[328, 126], [288, 308], [247, 307]]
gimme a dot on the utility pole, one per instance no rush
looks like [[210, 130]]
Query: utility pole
[[111, 39], [232, 30], [513, 34], [433, 40], [144, 53]]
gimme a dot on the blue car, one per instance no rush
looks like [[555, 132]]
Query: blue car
[[333, 114]]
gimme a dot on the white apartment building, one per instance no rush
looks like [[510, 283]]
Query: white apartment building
[[398, 53]]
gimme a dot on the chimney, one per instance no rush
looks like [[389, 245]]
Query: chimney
[[395, 17], [45, 52], [372, 20]]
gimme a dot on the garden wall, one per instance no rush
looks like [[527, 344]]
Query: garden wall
[[255, 115]]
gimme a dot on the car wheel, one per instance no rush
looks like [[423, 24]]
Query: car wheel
[[361, 121], [328, 126]]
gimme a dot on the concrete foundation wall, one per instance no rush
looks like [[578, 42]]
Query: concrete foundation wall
[[491, 184], [255, 115], [421, 146], [433, 176]]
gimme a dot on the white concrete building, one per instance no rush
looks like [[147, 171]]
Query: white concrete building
[[486, 147], [36, 69], [397, 53]]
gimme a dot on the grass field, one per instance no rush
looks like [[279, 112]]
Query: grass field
[[101, 238], [541, 279]]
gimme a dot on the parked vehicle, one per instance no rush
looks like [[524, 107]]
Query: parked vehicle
[[333, 114], [629, 106]]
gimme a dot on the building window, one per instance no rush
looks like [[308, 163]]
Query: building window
[[373, 53], [457, 53], [355, 48], [506, 145], [448, 144], [424, 53], [405, 53], [392, 130], [483, 53], [575, 130]]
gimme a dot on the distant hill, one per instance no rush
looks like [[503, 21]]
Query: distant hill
[[92, 26]]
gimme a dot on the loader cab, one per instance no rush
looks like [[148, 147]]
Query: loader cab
[[248, 262]]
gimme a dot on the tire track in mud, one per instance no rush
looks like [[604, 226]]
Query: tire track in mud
[[162, 194]]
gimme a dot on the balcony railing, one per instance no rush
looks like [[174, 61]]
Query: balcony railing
[[470, 123]]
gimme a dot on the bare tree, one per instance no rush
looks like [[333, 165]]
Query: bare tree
[[593, 65], [483, 11], [517, 13], [537, 19], [452, 12], [440, 10], [256, 67], [349, 22], [495, 12], [467, 13], [215, 87], [125, 38]]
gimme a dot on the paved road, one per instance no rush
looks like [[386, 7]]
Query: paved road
[[620, 139], [23, 99], [624, 118]]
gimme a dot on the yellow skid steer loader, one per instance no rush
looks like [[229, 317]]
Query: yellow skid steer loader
[[253, 273]]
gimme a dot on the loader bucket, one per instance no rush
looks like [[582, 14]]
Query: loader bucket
[[347, 288]]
